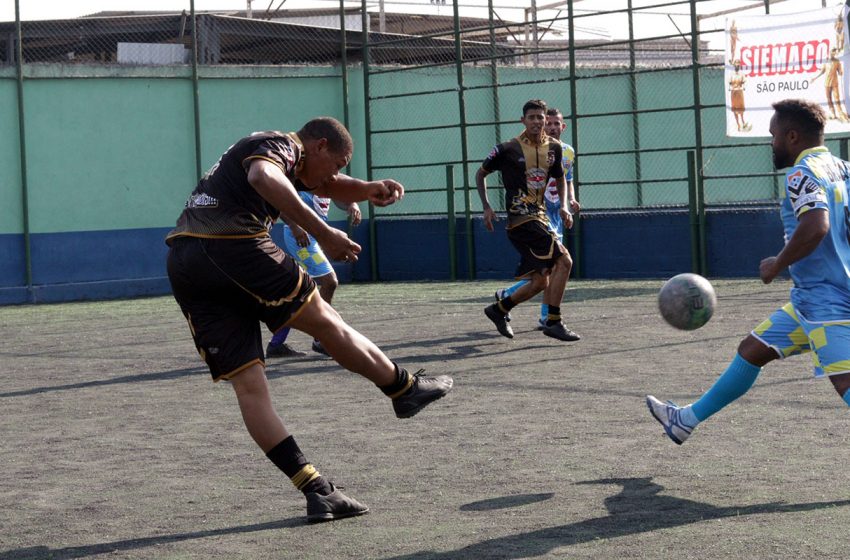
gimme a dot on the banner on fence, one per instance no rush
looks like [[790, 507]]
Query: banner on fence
[[774, 57]]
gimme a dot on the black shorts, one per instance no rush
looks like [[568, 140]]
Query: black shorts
[[225, 287], [537, 246]]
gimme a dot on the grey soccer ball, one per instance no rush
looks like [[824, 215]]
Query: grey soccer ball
[[687, 301]]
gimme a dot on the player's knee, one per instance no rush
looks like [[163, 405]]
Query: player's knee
[[756, 352], [841, 382]]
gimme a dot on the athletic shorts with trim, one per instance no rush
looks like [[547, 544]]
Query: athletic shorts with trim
[[311, 257], [537, 246], [226, 287], [788, 333]]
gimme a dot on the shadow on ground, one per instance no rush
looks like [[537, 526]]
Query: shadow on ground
[[638, 508]]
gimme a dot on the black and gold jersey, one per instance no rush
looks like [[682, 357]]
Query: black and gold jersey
[[224, 204], [526, 168]]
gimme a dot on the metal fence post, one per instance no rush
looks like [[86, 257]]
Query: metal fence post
[[25, 210], [578, 266], [196, 94], [635, 117], [470, 245], [693, 210], [373, 236], [695, 67], [450, 214]]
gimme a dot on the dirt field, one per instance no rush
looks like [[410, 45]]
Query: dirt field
[[116, 444]]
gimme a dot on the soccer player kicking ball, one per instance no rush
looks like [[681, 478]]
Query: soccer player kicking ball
[[815, 217], [228, 276]]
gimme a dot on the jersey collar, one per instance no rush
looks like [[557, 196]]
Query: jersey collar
[[526, 140], [815, 150]]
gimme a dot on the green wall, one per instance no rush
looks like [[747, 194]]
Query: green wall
[[112, 148], [11, 216]]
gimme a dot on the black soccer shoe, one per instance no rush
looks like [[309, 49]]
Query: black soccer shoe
[[495, 314], [318, 348], [282, 350], [500, 295], [424, 391], [561, 332], [335, 505]]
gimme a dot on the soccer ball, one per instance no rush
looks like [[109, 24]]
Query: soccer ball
[[687, 301]]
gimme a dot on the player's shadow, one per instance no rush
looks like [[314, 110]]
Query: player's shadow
[[133, 378], [638, 508], [45, 552]]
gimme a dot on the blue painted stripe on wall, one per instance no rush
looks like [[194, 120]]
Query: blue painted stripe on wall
[[13, 259], [129, 263], [91, 256]]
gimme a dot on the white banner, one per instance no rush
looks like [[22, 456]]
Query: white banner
[[774, 57]]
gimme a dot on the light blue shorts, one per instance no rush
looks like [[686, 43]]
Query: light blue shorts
[[556, 224], [311, 258], [789, 334]]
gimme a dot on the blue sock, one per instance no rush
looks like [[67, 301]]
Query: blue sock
[[510, 291], [280, 337], [544, 312], [846, 397], [735, 381]]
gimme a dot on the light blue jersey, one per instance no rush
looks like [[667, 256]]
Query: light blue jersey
[[821, 289], [553, 203], [311, 257]]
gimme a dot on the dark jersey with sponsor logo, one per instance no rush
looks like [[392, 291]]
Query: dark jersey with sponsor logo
[[526, 168], [224, 204]]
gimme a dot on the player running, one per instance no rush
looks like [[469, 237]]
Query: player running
[[815, 217], [554, 127]]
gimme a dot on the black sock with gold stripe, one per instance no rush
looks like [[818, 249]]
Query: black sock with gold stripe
[[287, 456], [403, 382], [505, 305], [554, 315]]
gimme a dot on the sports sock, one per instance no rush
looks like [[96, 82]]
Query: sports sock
[[403, 382], [734, 382], [505, 305], [287, 456], [280, 336], [553, 317], [509, 291], [544, 313], [846, 397]]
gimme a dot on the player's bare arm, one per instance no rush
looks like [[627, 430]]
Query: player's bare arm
[[566, 215], [353, 211], [571, 197], [273, 185], [347, 189], [812, 228], [481, 184]]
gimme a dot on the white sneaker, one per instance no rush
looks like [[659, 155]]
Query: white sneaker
[[541, 324], [669, 415]]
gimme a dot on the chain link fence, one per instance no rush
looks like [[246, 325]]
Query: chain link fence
[[640, 84]]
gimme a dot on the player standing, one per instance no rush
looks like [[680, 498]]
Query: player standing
[[228, 276], [815, 217], [554, 127], [304, 248], [526, 163]]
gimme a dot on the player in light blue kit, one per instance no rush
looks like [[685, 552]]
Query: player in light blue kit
[[554, 127], [306, 251], [816, 219]]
